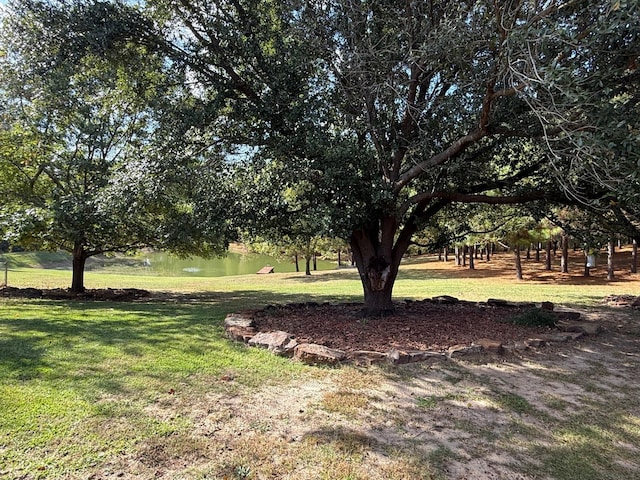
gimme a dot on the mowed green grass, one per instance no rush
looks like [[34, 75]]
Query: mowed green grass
[[78, 379], [419, 278]]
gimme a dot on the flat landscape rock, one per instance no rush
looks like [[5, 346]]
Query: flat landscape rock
[[567, 315], [314, 354], [489, 345], [402, 357], [239, 320], [366, 357], [586, 328], [278, 342], [497, 302], [445, 299], [463, 350], [240, 334], [556, 337]]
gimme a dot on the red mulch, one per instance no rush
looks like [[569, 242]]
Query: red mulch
[[414, 325], [418, 325]]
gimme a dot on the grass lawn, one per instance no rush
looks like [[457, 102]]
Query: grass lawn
[[154, 390]]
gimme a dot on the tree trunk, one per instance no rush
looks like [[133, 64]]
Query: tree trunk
[[465, 250], [78, 262], [378, 259], [295, 258], [307, 262], [446, 254], [339, 259], [547, 258], [472, 252], [538, 252], [516, 250], [564, 260], [529, 252], [587, 273], [488, 252], [456, 253], [315, 262], [634, 257], [610, 254]]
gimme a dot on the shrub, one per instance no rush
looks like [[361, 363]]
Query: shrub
[[536, 317]]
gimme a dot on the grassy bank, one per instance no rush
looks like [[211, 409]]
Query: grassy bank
[[419, 278]]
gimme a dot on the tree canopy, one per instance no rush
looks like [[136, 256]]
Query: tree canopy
[[87, 164]]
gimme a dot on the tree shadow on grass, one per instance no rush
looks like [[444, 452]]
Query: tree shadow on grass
[[598, 277], [566, 414], [96, 345], [347, 275]]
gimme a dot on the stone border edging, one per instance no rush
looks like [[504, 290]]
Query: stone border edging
[[240, 327]]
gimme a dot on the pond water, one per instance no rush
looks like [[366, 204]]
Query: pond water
[[163, 264]]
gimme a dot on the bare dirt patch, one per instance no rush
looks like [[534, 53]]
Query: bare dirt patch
[[567, 412]]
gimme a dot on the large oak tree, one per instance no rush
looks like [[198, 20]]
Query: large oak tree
[[473, 101], [400, 109]]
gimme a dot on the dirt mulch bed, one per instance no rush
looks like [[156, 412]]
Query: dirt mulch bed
[[118, 294], [420, 325]]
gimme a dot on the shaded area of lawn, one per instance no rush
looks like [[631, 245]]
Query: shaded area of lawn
[[69, 370], [109, 386]]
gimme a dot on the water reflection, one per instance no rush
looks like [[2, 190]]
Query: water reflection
[[232, 264]]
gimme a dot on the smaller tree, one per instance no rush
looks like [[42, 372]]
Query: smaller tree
[[86, 167]]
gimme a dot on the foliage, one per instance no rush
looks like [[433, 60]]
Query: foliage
[[86, 161], [536, 317], [447, 102], [366, 120]]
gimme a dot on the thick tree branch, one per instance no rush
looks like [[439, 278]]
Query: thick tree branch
[[455, 149]]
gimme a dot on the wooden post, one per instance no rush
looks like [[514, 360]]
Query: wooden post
[[586, 264]]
